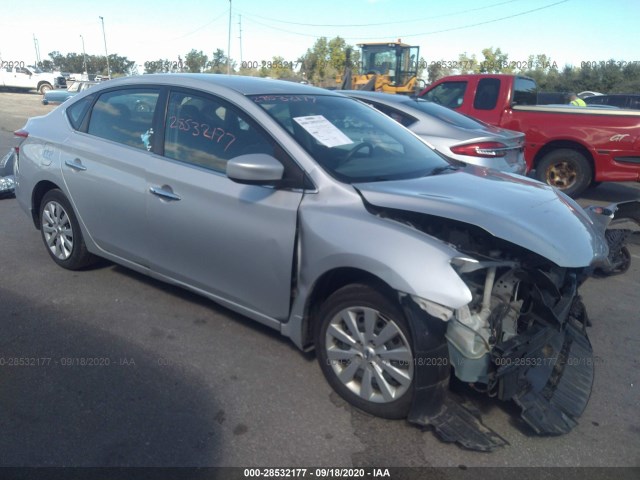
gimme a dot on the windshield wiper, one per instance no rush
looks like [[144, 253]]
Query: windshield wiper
[[444, 168]]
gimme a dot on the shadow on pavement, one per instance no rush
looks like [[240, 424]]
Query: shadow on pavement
[[610, 192], [74, 395]]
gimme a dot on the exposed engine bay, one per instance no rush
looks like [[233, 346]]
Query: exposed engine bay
[[522, 337]]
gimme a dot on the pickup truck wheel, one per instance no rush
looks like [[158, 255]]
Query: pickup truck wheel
[[44, 88], [364, 348], [566, 169]]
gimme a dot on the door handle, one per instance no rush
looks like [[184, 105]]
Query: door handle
[[162, 192], [76, 164]]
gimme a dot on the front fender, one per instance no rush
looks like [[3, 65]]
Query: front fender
[[348, 236], [406, 259]]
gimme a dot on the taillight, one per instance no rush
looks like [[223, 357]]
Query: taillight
[[482, 149], [22, 134]]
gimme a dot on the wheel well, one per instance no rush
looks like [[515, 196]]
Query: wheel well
[[39, 192], [330, 282], [558, 144], [44, 82]]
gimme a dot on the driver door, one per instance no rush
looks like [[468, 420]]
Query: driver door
[[230, 240]]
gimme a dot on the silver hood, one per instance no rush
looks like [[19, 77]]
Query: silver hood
[[514, 208]]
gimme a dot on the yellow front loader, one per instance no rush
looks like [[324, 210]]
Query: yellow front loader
[[383, 67]]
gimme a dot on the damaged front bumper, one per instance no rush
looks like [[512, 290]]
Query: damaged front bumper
[[533, 349], [620, 224]]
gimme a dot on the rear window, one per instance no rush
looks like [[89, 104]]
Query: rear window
[[524, 91], [400, 117], [77, 111]]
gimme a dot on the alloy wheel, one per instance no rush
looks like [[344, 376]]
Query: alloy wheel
[[57, 230], [369, 354]]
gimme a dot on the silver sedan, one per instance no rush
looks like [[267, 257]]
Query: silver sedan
[[319, 216], [455, 135]]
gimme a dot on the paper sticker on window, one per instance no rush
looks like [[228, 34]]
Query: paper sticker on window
[[323, 130]]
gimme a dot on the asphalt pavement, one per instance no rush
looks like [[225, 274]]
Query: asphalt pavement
[[106, 367]]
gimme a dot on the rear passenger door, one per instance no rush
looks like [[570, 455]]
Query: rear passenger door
[[230, 240], [105, 168]]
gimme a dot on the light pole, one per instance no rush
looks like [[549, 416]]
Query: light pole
[[104, 37], [35, 44], [84, 56], [229, 43]]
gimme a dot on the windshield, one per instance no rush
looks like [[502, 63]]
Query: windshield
[[351, 141]]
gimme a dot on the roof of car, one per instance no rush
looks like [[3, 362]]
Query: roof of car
[[379, 95], [241, 84], [617, 95]]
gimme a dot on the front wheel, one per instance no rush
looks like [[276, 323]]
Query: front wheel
[[61, 232], [566, 169], [364, 348]]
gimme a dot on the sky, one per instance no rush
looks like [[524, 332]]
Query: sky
[[568, 32]]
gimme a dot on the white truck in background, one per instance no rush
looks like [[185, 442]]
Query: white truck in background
[[30, 78]]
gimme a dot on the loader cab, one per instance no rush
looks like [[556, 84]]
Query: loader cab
[[396, 60]]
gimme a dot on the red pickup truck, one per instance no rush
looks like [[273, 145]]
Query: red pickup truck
[[567, 147]]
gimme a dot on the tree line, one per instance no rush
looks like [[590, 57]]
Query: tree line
[[326, 59]]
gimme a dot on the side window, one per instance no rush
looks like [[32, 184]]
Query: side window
[[125, 116], [619, 102], [207, 132], [596, 100], [77, 111], [449, 94], [487, 94]]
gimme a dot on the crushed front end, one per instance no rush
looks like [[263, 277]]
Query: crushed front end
[[522, 337]]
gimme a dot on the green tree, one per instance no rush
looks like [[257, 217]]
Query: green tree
[[278, 67], [162, 65], [495, 61], [631, 79], [436, 70], [46, 65], [196, 61], [314, 63], [97, 64], [325, 60], [467, 64], [119, 65], [220, 61]]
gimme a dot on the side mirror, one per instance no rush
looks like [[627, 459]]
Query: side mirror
[[255, 169]]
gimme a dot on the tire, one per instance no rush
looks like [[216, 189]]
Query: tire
[[61, 232], [44, 88], [566, 169], [378, 379]]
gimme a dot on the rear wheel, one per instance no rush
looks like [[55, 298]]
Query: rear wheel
[[61, 232], [364, 348], [44, 88], [566, 169]]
